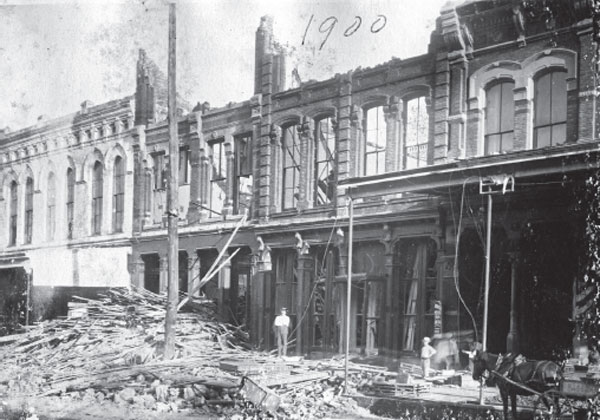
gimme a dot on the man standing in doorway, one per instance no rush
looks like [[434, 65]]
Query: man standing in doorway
[[281, 326]]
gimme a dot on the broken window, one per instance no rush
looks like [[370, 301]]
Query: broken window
[[28, 210], [118, 194], [375, 141], [499, 117], [291, 166], [97, 184], [70, 201], [550, 106], [325, 158], [12, 237], [243, 165], [416, 132], [218, 178], [51, 207]]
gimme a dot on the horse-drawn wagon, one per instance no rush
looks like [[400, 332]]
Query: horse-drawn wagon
[[557, 394]]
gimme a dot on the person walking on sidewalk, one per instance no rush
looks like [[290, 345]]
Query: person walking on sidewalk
[[280, 327], [427, 353]]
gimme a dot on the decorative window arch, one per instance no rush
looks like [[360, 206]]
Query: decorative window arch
[[118, 201], [550, 108], [325, 160], [375, 132], [28, 210], [14, 211], [51, 207], [499, 124], [290, 146], [70, 203], [97, 196]]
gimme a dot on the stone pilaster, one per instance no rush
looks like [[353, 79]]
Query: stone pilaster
[[256, 103], [393, 157], [344, 128], [357, 142], [307, 145], [266, 187], [230, 182], [195, 141], [587, 109], [39, 225], [275, 164], [305, 273], [82, 224]]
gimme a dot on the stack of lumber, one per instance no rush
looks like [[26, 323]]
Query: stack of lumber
[[121, 335]]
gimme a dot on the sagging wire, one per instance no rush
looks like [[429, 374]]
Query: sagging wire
[[312, 293], [455, 268]]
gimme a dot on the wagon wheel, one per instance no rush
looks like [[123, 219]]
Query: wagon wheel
[[552, 405]]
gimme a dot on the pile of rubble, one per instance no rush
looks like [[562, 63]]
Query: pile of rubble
[[110, 350]]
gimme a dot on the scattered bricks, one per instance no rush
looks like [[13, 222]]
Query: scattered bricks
[[162, 393], [127, 394], [188, 393], [200, 389], [199, 401]]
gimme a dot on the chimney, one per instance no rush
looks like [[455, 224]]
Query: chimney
[[85, 106], [279, 70], [145, 102], [264, 39]]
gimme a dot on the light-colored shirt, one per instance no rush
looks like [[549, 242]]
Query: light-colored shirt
[[282, 321], [427, 351]]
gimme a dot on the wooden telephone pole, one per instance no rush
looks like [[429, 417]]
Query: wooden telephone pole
[[172, 196]]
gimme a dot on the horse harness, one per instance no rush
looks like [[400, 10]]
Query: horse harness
[[506, 369]]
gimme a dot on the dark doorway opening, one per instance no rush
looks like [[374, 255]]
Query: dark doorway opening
[[152, 272]]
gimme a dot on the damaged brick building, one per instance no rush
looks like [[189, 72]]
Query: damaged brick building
[[505, 99]]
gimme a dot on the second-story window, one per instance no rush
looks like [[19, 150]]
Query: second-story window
[[499, 117], [97, 185], [325, 156], [184, 166], [375, 141], [118, 194], [218, 179], [550, 109], [160, 173], [51, 207], [70, 201], [28, 210], [14, 208], [243, 165], [290, 145], [416, 133]]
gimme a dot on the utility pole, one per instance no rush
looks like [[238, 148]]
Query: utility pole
[[349, 288], [172, 196], [488, 186]]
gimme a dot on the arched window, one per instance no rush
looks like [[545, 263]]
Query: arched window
[[51, 207], [14, 208], [118, 194], [97, 184], [290, 145], [416, 132], [70, 201], [499, 117], [550, 109], [28, 210], [375, 141], [325, 157]]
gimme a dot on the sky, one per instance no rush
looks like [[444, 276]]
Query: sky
[[56, 54]]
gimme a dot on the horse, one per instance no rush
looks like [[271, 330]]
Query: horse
[[539, 376]]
